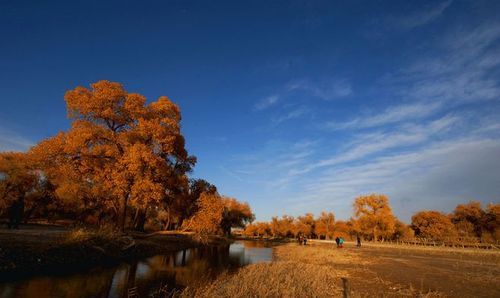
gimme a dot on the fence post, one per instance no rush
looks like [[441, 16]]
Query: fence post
[[347, 289]]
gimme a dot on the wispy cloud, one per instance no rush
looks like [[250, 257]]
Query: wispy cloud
[[390, 115], [419, 18], [292, 114], [459, 72], [368, 144], [267, 102], [12, 141], [326, 89], [437, 176]]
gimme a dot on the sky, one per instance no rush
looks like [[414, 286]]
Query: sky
[[292, 106]]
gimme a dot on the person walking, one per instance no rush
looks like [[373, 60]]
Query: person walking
[[337, 240], [341, 242], [358, 241]]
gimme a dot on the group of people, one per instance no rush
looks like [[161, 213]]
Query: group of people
[[302, 240], [338, 240]]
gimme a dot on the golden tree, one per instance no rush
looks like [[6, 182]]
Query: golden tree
[[119, 152], [491, 222], [374, 216], [235, 215], [284, 227], [432, 225], [325, 225], [207, 220], [304, 225], [18, 179], [468, 219]]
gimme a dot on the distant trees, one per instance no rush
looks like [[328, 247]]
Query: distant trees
[[466, 223], [325, 225], [287, 226], [375, 221]]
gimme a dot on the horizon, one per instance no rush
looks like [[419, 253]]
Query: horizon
[[293, 108]]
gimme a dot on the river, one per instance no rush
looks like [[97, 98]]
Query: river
[[146, 277]]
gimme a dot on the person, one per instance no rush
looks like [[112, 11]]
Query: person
[[358, 240], [305, 240], [299, 238], [341, 242], [337, 240]]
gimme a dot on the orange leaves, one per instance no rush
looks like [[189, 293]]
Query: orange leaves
[[17, 177], [209, 216], [119, 149], [433, 225], [374, 216]]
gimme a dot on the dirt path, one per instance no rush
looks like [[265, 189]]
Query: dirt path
[[390, 271]]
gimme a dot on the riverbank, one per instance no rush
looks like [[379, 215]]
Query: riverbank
[[322, 270], [36, 249]]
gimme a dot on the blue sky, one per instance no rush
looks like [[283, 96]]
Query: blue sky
[[293, 106]]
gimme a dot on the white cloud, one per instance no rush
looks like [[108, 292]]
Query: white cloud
[[437, 177], [327, 89], [295, 113], [419, 18], [392, 114], [365, 145], [267, 102]]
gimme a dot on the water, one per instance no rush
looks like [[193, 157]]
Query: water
[[172, 271]]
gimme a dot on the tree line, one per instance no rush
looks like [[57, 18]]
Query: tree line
[[123, 161], [373, 220]]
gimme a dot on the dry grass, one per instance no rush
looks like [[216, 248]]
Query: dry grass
[[319, 255], [308, 271], [297, 272], [279, 279], [81, 234]]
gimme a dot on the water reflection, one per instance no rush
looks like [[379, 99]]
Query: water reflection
[[177, 270]]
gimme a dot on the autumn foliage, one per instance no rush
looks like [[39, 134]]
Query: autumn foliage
[[123, 160], [375, 221]]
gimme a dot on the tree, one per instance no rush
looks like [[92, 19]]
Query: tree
[[468, 219], [207, 220], [402, 231], [325, 225], [18, 179], [284, 227], [432, 225], [119, 151], [374, 216], [304, 225], [235, 215], [491, 222]]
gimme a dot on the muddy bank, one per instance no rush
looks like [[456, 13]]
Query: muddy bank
[[35, 250]]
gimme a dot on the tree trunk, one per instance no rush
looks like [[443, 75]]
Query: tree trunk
[[123, 214], [140, 219]]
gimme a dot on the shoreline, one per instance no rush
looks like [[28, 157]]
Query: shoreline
[[45, 250]]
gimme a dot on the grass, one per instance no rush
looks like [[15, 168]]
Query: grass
[[318, 271], [279, 279]]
